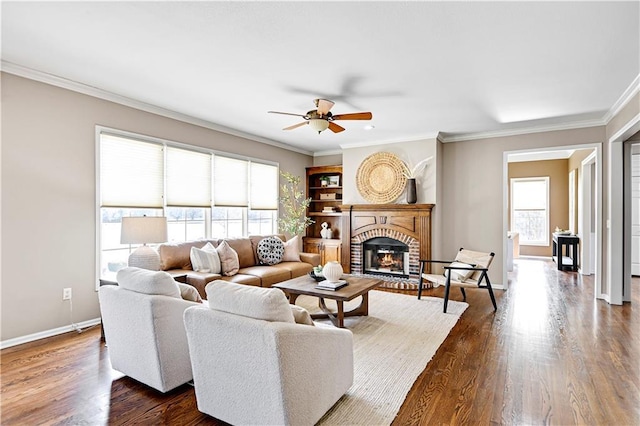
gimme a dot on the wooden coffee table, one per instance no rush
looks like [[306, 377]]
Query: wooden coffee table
[[358, 286]]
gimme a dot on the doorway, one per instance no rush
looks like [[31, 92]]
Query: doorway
[[589, 199]]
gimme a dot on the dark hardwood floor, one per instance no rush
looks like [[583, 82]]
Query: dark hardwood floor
[[551, 354]]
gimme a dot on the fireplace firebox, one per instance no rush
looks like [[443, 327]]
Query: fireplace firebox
[[386, 256]]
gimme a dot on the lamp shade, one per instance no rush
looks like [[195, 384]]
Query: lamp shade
[[318, 124], [143, 230]]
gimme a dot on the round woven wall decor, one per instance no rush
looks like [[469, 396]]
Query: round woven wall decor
[[380, 178]]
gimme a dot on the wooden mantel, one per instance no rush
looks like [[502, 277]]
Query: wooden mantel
[[413, 220]]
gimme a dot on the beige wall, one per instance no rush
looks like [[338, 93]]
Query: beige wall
[[472, 194], [327, 160], [556, 171], [48, 195]]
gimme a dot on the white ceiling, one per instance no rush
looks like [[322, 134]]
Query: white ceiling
[[460, 68]]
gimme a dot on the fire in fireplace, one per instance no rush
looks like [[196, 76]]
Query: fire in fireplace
[[386, 256]]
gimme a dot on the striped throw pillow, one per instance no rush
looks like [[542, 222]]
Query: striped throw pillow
[[205, 259]]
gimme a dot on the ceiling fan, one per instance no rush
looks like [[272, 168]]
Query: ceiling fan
[[321, 118]]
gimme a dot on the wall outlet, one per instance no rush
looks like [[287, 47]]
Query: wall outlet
[[66, 294]]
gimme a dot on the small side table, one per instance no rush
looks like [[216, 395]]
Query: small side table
[[567, 258]]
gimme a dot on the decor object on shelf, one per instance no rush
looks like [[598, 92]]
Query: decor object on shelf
[[380, 178], [320, 119], [144, 230], [411, 174], [326, 231], [332, 271], [412, 192], [294, 220]]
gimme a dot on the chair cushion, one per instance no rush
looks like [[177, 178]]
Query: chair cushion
[[459, 274], [268, 304], [270, 251], [189, 292], [301, 315], [148, 282], [228, 259], [205, 259], [291, 250], [480, 259]]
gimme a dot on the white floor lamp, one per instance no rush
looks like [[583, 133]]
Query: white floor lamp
[[144, 230]]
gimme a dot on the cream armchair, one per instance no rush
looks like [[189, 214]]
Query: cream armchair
[[253, 364], [144, 329]]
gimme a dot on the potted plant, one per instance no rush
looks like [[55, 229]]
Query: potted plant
[[411, 174], [324, 181], [294, 220]]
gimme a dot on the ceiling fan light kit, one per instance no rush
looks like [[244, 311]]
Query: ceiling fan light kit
[[321, 119], [319, 124]]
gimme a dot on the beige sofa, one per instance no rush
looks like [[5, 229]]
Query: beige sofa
[[175, 259]]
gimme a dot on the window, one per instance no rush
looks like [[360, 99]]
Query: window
[[530, 210], [203, 194]]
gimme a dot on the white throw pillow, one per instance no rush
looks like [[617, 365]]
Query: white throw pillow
[[228, 259], [148, 282], [291, 250], [270, 251], [459, 274], [268, 304], [205, 259]]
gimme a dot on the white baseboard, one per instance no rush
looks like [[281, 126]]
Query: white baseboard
[[48, 333]]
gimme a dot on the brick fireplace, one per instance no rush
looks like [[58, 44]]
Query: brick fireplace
[[391, 225]]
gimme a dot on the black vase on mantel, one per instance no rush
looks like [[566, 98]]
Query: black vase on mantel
[[412, 195]]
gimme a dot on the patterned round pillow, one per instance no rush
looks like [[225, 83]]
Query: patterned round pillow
[[270, 250]]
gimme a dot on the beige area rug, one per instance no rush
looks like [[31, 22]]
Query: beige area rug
[[392, 346]]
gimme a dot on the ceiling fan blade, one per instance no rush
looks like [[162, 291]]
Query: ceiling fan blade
[[295, 126], [323, 105], [354, 116], [285, 113], [335, 128]]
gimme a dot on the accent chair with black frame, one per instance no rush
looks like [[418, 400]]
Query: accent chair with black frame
[[468, 270]]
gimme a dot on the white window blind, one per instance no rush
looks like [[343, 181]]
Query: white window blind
[[264, 187], [131, 173], [230, 182], [188, 178]]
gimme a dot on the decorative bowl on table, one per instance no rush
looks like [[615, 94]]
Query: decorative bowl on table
[[318, 278]]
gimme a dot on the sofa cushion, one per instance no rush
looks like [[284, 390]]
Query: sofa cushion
[[296, 269], [241, 278], [177, 255], [242, 246], [205, 259], [199, 280], [228, 259], [268, 304], [148, 282], [292, 250], [270, 250], [189, 292], [268, 275]]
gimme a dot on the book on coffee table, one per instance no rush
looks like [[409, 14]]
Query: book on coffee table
[[327, 285]]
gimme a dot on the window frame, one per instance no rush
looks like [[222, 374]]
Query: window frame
[[99, 130], [512, 182]]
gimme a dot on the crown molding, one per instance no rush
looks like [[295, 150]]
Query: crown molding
[[389, 141], [95, 92], [523, 131], [623, 100], [327, 152]]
